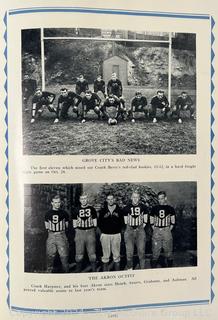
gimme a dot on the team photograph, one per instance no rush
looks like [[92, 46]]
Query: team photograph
[[95, 91], [78, 228]]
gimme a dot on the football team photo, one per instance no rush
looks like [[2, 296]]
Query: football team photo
[[79, 228], [97, 91]]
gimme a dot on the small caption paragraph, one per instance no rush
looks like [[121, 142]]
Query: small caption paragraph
[[104, 283], [99, 164]]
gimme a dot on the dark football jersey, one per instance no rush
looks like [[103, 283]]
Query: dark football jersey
[[84, 216], [115, 104], [45, 98], [29, 86], [70, 98], [184, 102], [55, 220], [99, 86], [139, 102], [136, 215], [115, 87], [159, 103], [162, 216], [92, 102], [81, 86]]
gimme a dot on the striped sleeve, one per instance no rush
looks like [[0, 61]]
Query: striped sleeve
[[125, 214], [172, 216], [74, 218], [152, 213], [145, 215]]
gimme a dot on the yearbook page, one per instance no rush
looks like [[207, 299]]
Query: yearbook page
[[108, 160]]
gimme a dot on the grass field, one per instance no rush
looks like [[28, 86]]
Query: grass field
[[96, 137]]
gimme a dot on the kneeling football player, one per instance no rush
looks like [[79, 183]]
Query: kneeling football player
[[42, 99], [112, 109], [138, 104], [159, 101], [183, 102], [66, 100], [90, 101]]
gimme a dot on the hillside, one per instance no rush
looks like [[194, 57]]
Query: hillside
[[65, 60]]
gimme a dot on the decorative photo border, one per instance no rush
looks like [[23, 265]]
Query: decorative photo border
[[212, 134]]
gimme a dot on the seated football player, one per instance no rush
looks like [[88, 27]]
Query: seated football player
[[66, 100], [81, 86], [159, 101], [112, 109], [183, 102], [42, 99], [138, 104], [90, 101]]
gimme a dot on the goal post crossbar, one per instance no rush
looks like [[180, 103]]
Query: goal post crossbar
[[169, 42], [106, 39]]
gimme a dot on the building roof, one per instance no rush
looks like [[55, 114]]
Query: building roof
[[122, 58]]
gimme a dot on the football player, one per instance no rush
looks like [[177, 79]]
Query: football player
[[113, 109], [66, 100], [81, 86], [159, 101], [135, 218], [42, 99], [56, 223], [90, 101], [114, 86], [138, 104], [183, 102], [99, 85], [85, 223], [28, 88], [162, 220], [110, 222]]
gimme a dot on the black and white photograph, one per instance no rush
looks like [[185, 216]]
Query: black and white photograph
[[109, 92], [79, 228]]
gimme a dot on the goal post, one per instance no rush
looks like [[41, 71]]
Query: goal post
[[169, 42], [169, 67]]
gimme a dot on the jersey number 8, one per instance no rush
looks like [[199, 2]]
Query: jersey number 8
[[55, 218], [162, 214]]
